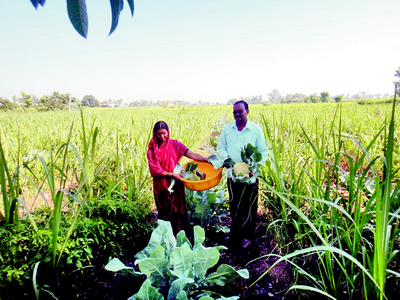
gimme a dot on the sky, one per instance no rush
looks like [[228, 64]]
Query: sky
[[208, 50]]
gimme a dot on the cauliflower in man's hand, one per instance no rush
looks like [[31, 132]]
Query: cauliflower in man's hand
[[241, 169]]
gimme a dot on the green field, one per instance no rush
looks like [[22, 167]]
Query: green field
[[331, 177]]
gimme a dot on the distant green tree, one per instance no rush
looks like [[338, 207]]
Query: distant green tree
[[90, 101], [232, 101], [56, 101], [324, 97], [7, 105], [314, 98], [77, 13], [26, 100], [338, 98], [275, 96]]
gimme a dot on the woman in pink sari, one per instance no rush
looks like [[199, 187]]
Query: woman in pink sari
[[163, 154]]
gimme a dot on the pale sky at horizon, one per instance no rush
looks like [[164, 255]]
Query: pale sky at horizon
[[209, 50]]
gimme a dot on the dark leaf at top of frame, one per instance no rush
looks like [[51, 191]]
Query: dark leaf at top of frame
[[116, 8], [77, 12], [37, 2], [131, 6]]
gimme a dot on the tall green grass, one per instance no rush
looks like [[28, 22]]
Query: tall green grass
[[343, 219]]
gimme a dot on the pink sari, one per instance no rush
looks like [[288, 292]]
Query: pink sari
[[171, 207]]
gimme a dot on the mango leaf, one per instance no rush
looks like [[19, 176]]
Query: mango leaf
[[224, 274], [177, 287], [131, 6], [205, 258], [116, 7], [77, 13], [156, 270], [182, 259], [147, 292], [37, 2], [161, 236]]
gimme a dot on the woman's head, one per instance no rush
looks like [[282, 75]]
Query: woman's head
[[161, 132]]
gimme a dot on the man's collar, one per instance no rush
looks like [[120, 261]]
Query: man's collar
[[247, 126]]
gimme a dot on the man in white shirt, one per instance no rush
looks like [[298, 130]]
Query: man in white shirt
[[243, 197]]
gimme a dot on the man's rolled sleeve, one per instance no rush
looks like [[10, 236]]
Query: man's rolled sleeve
[[222, 144]]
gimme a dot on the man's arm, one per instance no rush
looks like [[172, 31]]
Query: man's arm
[[222, 144]]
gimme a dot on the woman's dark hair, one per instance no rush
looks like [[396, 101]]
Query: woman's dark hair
[[246, 106], [159, 125]]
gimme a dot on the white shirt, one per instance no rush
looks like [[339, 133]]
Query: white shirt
[[232, 141]]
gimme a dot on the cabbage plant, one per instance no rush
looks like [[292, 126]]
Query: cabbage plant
[[177, 270]]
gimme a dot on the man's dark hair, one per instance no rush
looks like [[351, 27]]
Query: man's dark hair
[[246, 106], [159, 125]]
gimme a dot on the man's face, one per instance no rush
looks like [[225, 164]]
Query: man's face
[[240, 113]]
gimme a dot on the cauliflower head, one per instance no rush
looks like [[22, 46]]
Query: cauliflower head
[[242, 169]]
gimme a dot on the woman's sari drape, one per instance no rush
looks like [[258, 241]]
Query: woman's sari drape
[[170, 207]]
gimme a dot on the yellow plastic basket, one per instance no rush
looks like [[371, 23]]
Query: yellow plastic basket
[[213, 177]]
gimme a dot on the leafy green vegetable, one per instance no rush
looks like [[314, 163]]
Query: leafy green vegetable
[[193, 173], [249, 154], [217, 160], [205, 208], [191, 167], [252, 157], [177, 270]]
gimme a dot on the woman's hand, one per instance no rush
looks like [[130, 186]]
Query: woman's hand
[[176, 176]]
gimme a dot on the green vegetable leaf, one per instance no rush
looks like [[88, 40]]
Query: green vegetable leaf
[[182, 259], [116, 265], [191, 167], [182, 239], [156, 270], [161, 236], [201, 212], [147, 292], [205, 258], [182, 296], [224, 274], [158, 252], [177, 287], [199, 236]]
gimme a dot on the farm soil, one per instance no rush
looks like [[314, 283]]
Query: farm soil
[[94, 282]]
